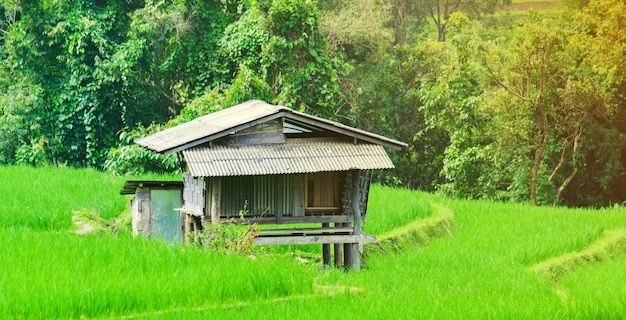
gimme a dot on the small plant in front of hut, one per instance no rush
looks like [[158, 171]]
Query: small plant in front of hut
[[225, 238], [237, 236]]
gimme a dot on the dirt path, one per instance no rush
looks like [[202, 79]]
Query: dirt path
[[85, 228]]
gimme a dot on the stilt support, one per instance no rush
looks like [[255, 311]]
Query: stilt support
[[338, 248], [326, 248]]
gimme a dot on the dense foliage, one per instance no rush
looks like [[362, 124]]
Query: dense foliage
[[525, 109]]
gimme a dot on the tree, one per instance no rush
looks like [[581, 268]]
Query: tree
[[60, 49], [530, 70], [357, 28], [452, 95], [549, 97], [408, 19], [280, 41], [439, 11], [601, 39], [94, 68], [296, 58], [524, 111], [171, 56]]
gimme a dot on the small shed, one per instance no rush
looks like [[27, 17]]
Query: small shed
[[155, 208], [273, 165]]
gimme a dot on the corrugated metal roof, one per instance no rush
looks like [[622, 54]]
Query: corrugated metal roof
[[242, 116], [222, 121], [131, 186], [219, 161]]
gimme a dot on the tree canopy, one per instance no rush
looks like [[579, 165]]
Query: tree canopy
[[522, 109]]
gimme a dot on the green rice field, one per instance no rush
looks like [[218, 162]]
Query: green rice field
[[498, 261]]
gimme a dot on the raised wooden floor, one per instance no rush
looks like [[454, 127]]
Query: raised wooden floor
[[313, 239]]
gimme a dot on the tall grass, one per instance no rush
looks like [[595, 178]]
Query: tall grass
[[480, 271], [60, 275], [598, 291], [44, 198], [390, 208]]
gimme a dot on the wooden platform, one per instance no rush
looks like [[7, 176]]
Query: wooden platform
[[306, 231], [313, 239], [290, 220]]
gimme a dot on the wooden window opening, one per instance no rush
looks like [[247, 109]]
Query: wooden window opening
[[324, 192]]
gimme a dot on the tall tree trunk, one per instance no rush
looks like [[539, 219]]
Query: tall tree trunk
[[399, 23], [541, 149], [572, 174], [441, 30]]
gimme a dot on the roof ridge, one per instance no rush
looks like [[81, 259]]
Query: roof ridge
[[236, 118]]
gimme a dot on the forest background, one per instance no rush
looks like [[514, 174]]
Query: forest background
[[528, 107]]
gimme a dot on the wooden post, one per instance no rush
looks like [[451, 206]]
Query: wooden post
[[356, 202], [183, 226], [355, 255], [326, 248], [347, 255], [187, 225], [215, 200], [197, 227], [338, 248]]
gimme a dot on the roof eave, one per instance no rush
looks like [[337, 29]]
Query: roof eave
[[345, 130], [216, 135], [277, 113]]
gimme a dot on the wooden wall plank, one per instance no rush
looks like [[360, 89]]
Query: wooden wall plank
[[314, 239], [215, 199]]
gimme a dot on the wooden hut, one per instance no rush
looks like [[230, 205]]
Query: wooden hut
[[277, 166], [154, 208]]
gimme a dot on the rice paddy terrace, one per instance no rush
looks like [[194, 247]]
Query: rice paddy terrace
[[436, 258]]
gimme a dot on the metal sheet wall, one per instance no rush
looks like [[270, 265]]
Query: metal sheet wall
[[263, 195]]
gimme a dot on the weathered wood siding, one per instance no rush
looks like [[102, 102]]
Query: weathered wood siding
[[140, 205], [263, 133], [324, 191], [365, 177], [194, 192]]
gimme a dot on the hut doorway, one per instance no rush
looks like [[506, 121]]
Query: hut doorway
[[166, 221], [156, 208]]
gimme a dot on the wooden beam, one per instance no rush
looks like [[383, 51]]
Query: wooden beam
[[195, 228], [326, 247], [216, 135], [347, 255], [187, 225], [356, 257], [356, 201], [338, 252], [338, 249], [187, 211], [323, 209], [293, 220], [352, 253], [215, 199], [319, 239], [306, 231], [345, 130]]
